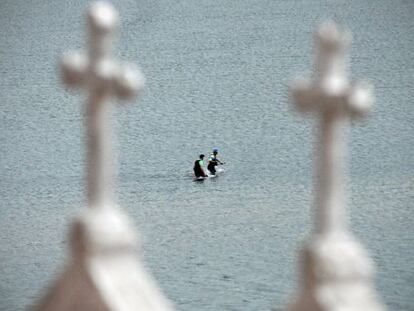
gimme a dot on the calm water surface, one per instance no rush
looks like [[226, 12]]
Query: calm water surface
[[217, 75]]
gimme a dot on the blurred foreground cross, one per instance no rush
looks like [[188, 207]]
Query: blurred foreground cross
[[104, 272], [103, 78], [336, 270], [331, 96]]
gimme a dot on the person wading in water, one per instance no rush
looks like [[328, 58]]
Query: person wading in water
[[213, 161], [198, 167]]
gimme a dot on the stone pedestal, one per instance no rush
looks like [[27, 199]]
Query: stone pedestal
[[105, 272], [337, 276]]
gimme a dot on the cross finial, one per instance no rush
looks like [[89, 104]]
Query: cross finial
[[336, 271], [102, 77], [104, 273], [334, 99]]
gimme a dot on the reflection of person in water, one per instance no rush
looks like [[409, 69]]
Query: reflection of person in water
[[213, 161], [198, 167]]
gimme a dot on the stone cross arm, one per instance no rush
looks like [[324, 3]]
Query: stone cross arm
[[122, 80], [353, 101]]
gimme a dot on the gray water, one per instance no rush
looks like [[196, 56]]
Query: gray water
[[217, 75]]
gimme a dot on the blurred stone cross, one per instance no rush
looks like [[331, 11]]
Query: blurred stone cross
[[103, 78], [104, 272], [335, 100], [336, 270]]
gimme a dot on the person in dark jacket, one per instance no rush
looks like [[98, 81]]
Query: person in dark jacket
[[198, 167]]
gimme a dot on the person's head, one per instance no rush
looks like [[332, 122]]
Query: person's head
[[201, 156], [215, 150]]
